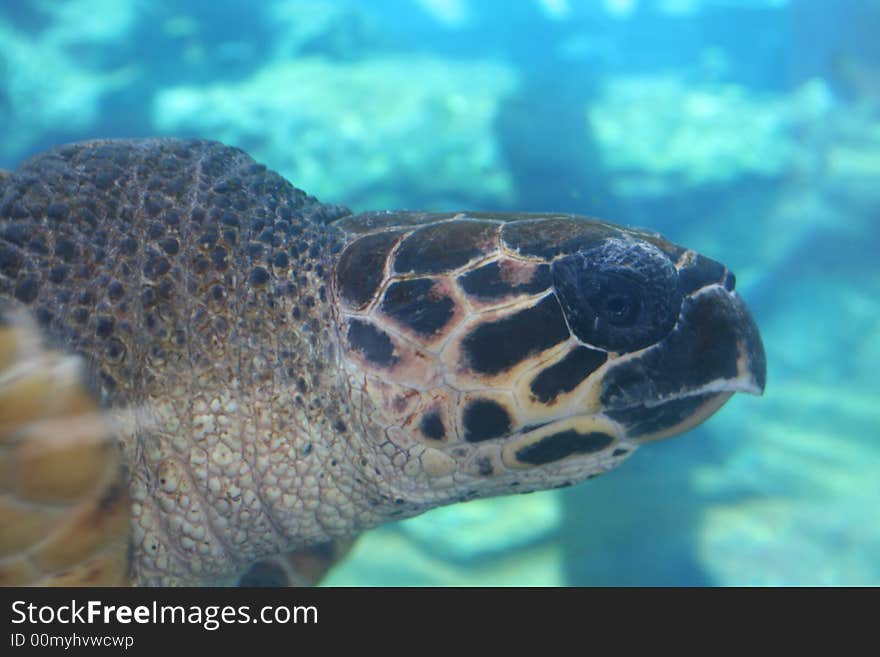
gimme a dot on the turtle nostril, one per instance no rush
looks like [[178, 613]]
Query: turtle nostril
[[729, 281]]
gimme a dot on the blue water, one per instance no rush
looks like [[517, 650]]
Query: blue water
[[747, 130]]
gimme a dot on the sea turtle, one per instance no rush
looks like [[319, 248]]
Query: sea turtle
[[278, 374]]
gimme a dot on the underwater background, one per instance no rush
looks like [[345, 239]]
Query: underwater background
[[748, 130]]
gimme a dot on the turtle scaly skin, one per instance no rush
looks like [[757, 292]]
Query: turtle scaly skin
[[281, 375]]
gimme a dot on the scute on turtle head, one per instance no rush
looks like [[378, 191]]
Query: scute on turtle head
[[525, 351]]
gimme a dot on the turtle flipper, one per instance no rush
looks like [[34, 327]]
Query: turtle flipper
[[305, 567], [64, 508]]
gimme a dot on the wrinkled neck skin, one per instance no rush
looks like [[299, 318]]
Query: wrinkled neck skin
[[249, 460], [256, 476]]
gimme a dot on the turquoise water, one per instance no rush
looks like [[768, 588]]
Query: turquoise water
[[748, 130]]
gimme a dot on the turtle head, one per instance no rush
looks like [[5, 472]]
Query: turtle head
[[511, 353]]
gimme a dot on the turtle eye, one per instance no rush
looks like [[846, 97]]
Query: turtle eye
[[620, 295], [617, 302], [619, 308]]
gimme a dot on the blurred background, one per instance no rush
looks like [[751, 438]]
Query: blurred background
[[748, 130]]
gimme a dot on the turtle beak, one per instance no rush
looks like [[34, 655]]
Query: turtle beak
[[751, 360], [723, 351], [714, 351]]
